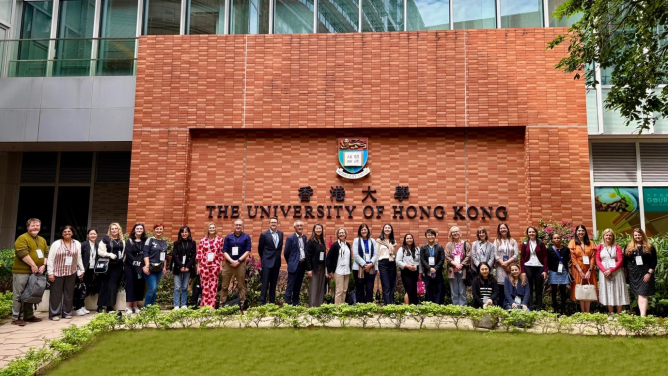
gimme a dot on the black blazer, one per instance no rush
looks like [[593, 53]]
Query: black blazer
[[332, 259], [179, 250], [85, 252], [553, 259], [439, 255], [134, 255], [313, 249], [269, 254]]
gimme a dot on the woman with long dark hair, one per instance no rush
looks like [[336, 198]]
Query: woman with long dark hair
[[534, 265], [408, 260], [506, 253], [484, 288], [89, 258], [583, 257], [640, 260], [365, 254], [183, 258], [386, 263], [316, 249], [134, 259]]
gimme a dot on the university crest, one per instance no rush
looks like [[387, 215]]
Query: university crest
[[353, 154]]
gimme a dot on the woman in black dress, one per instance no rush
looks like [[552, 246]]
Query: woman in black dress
[[134, 260], [113, 248], [640, 262], [92, 283]]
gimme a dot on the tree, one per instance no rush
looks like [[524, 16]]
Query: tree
[[631, 38]]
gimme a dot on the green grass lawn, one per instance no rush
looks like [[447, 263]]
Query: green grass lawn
[[353, 351]]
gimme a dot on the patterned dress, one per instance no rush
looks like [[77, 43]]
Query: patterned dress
[[209, 256]]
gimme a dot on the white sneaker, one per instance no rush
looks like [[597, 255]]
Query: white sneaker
[[137, 310], [184, 307], [80, 312], [128, 311], [176, 308], [85, 310]]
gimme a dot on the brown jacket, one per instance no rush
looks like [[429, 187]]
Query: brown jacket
[[466, 261]]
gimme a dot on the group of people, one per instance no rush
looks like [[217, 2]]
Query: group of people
[[501, 272]]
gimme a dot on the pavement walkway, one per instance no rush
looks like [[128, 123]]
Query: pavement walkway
[[17, 340]]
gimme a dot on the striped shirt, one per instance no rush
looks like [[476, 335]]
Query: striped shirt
[[60, 256]]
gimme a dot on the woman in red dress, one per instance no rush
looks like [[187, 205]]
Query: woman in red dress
[[209, 264]]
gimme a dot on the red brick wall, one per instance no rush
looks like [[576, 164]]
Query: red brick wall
[[233, 119]]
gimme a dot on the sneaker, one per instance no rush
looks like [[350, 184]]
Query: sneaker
[[128, 311], [184, 307], [176, 308], [80, 312], [137, 310], [85, 310]]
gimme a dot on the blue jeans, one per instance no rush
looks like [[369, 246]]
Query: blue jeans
[[152, 280], [458, 290], [181, 288]]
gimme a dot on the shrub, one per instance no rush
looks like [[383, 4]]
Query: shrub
[[6, 304]]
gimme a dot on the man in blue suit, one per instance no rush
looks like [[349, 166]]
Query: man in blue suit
[[295, 256], [269, 249]]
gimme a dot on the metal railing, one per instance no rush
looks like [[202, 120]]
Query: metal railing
[[68, 57]]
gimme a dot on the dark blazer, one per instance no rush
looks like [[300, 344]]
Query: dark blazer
[[313, 249], [541, 253], [134, 255], [649, 260], [269, 254], [439, 257], [553, 259], [85, 252], [477, 283], [291, 252], [332, 259], [180, 250], [511, 292]]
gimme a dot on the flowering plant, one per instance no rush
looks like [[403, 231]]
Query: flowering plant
[[564, 228]]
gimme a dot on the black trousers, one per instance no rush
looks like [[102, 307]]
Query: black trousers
[[109, 286], [434, 288], [388, 279], [294, 286], [502, 295], [562, 294], [88, 280], [269, 279], [364, 287], [410, 280], [536, 280]]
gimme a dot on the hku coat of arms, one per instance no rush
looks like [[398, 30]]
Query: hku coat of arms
[[353, 154]]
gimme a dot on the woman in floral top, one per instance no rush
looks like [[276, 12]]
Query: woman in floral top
[[458, 258], [209, 264]]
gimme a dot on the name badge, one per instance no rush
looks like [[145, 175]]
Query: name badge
[[638, 260], [322, 256], [458, 259], [162, 256], [184, 260], [91, 265], [235, 251], [611, 264], [432, 261], [210, 256], [518, 300], [585, 260], [40, 254], [68, 260], [560, 268], [120, 254]]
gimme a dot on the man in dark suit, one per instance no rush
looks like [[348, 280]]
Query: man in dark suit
[[295, 256], [269, 249]]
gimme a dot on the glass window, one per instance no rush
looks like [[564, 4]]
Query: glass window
[[75, 21], [617, 208], [552, 6], [75, 167], [592, 113], [162, 17], [521, 13], [382, 15], [6, 11], [72, 209], [293, 17], [118, 20], [113, 167], [656, 210], [36, 25], [428, 15], [39, 167], [249, 16], [35, 202], [660, 123], [613, 122], [474, 14], [207, 17], [338, 16]]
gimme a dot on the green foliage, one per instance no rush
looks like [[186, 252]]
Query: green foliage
[[638, 325], [323, 314], [629, 37], [517, 318], [344, 313], [6, 304], [397, 313], [366, 312], [563, 228], [6, 264]]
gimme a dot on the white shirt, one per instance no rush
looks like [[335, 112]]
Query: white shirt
[[343, 264], [91, 261], [533, 260], [302, 253]]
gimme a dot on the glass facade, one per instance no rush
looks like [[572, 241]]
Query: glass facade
[[249, 16], [162, 17], [592, 112], [338, 16], [428, 15], [293, 16], [36, 25], [118, 20], [617, 208], [208, 17], [75, 22], [552, 6], [474, 14], [382, 15], [6, 11], [521, 13]]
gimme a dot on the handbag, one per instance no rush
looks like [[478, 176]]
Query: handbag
[[585, 292], [101, 265], [155, 267], [421, 289]]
